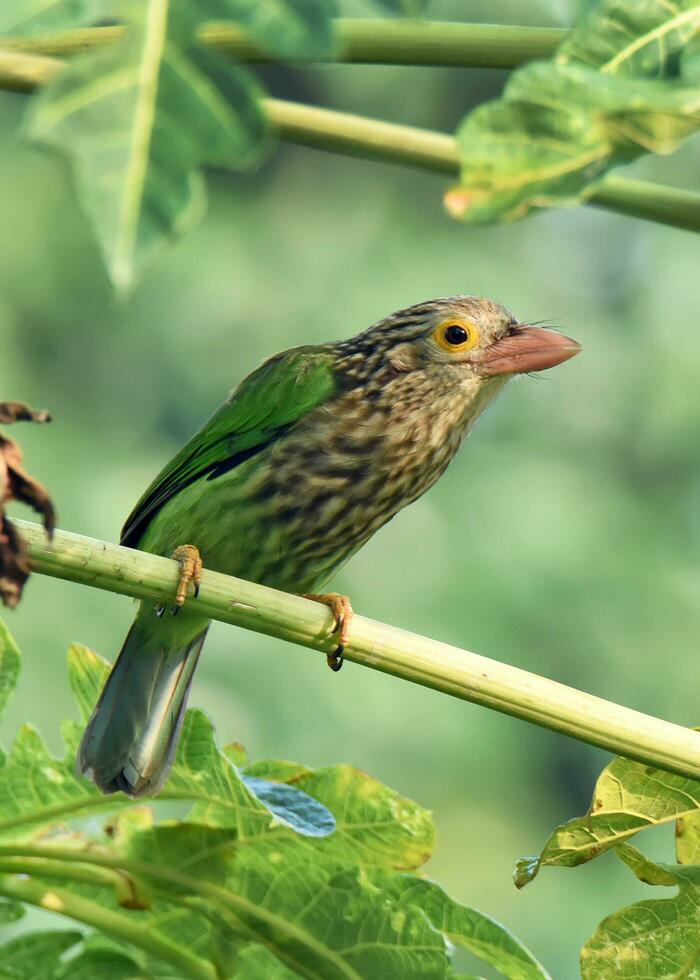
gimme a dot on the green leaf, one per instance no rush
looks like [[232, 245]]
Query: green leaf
[[409, 8], [637, 39], [469, 928], [101, 964], [688, 839], [36, 955], [138, 120], [612, 94], [298, 30], [658, 938], [87, 674], [10, 911], [9, 666], [254, 962], [332, 921], [650, 872], [42, 16], [202, 771], [628, 797], [374, 824]]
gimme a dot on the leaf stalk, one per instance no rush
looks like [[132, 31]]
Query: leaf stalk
[[373, 139], [359, 41], [112, 923]]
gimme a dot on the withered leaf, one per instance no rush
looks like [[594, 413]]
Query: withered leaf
[[17, 484]]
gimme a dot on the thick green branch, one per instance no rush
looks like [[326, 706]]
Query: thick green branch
[[391, 42], [414, 658], [111, 923], [342, 132]]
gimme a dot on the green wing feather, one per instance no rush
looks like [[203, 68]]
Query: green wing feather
[[266, 403]]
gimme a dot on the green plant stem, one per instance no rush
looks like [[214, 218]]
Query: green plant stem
[[372, 139], [115, 924], [242, 912], [375, 41], [393, 651]]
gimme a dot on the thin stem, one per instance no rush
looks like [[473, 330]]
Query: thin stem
[[372, 139], [394, 651], [376, 41], [115, 924]]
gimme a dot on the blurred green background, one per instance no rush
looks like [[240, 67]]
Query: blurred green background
[[563, 539]]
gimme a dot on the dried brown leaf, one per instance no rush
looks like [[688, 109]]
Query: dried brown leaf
[[17, 484]]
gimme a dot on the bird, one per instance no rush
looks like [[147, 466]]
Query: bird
[[306, 459]]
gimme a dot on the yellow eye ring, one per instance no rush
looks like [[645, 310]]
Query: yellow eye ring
[[456, 336]]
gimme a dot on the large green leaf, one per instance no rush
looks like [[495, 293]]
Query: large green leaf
[[254, 962], [642, 38], [36, 955], [374, 824], [298, 30], [9, 665], [336, 922], [101, 964], [469, 928], [628, 797], [613, 93], [39, 16], [138, 120], [657, 938]]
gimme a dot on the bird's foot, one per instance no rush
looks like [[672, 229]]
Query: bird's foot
[[343, 615], [188, 558]]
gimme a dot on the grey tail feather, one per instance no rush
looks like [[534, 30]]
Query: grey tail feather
[[130, 740]]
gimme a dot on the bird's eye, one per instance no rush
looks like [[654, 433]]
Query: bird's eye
[[456, 337]]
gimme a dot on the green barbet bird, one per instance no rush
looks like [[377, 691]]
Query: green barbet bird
[[308, 457]]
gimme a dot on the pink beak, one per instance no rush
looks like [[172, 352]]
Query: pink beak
[[527, 349]]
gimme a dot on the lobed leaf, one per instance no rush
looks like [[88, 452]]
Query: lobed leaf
[[255, 962], [688, 838], [101, 964], [36, 955], [41, 16], [614, 92], [374, 824], [641, 39], [336, 922], [138, 120], [10, 663], [469, 928], [628, 797], [657, 938]]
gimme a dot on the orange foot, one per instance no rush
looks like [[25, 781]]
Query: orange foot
[[342, 614], [190, 562]]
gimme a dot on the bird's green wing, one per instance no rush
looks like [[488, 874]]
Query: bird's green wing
[[260, 410]]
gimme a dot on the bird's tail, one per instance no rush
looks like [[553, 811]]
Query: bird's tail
[[130, 740]]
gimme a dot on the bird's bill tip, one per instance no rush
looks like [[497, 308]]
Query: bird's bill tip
[[527, 349]]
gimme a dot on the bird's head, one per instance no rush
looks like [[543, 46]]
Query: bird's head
[[434, 367], [464, 345]]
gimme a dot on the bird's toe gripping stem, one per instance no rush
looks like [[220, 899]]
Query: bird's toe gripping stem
[[343, 614], [188, 558]]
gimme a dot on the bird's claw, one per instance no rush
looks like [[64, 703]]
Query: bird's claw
[[190, 562], [343, 613]]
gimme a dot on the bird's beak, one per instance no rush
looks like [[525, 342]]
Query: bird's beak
[[526, 349]]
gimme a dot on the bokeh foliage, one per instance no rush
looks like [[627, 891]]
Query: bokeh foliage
[[254, 861], [564, 538]]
